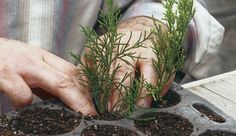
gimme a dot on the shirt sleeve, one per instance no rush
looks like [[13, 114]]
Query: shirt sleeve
[[203, 39], [121, 4]]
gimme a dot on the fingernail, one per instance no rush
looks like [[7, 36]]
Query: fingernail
[[86, 109]]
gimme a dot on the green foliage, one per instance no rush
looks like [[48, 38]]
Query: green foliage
[[97, 69], [168, 45], [102, 53], [127, 104]]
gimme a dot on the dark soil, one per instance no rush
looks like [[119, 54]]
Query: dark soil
[[209, 113], [105, 116], [217, 133], [53, 122], [5, 128], [169, 100], [164, 124], [41, 122], [106, 130], [9, 132]]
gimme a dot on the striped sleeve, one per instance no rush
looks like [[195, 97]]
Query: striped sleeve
[[204, 38]]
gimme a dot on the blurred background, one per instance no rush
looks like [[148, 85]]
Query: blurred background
[[225, 12]]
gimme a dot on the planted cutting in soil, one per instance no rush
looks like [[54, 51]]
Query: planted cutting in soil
[[164, 124], [41, 121], [209, 113], [169, 100], [107, 130]]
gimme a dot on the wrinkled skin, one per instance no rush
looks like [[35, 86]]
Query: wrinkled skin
[[26, 69], [145, 67]]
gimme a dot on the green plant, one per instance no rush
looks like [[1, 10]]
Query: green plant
[[96, 70], [96, 64], [168, 45]]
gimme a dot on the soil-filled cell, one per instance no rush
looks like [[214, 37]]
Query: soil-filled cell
[[208, 113], [107, 130], [217, 133], [41, 122], [164, 124], [169, 100]]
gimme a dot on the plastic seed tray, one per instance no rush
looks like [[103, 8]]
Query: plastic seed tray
[[189, 107]]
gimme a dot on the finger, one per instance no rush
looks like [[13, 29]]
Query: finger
[[58, 63], [124, 74], [147, 71], [16, 89], [167, 86], [62, 86]]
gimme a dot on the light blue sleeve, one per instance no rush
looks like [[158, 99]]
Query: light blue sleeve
[[204, 37]]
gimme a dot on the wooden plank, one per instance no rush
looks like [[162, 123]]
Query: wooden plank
[[222, 88], [216, 78], [227, 106], [219, 90], [231, 80]]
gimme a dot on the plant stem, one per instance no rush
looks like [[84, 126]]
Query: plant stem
[[168, 45]]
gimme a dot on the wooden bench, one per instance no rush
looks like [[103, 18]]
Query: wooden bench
[[219, 90]]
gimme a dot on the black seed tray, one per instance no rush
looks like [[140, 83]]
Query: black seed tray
[[186, 108]]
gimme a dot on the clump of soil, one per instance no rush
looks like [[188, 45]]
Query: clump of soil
[[105, 116], [169, 100], [5, 127], [209, 113], [41, 122], [107, 130], [164, 124], [217, 133], [10, 132]]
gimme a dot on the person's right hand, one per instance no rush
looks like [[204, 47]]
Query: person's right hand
[[23, 67]]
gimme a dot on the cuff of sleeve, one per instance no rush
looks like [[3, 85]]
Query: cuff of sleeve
[[207, 35], [148, 8]]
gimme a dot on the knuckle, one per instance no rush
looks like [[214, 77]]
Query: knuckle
[[125, 68], [64, 83], [5, 69], [148, 62], [71, 71]]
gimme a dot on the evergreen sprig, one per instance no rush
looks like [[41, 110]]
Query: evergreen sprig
[[102, 52], [168, 44]]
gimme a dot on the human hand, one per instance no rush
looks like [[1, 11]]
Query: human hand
[[144, 66], [24, 67]]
